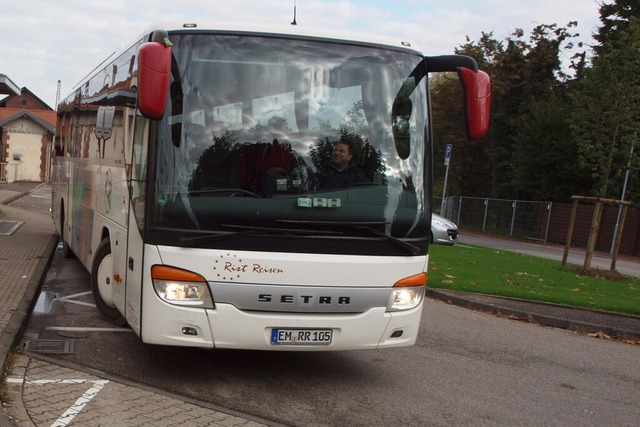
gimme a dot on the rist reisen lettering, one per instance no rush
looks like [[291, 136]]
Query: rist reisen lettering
[[255, 268]]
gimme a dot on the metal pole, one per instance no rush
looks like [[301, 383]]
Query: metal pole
[[486, 208], [447, 157], [513, 216], [546, 231], [624, 190], [617, 248], [444, 189]]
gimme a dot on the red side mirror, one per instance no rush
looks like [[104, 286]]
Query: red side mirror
[[154, 72], [477, 97]]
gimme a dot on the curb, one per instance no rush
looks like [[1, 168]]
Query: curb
[[499, 306], [21, 194]]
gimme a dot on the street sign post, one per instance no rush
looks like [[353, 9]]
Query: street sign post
[[447, 157]]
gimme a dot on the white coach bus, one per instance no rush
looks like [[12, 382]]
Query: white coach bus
[[256, 188]]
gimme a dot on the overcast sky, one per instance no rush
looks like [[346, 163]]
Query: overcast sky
[[43, 41]]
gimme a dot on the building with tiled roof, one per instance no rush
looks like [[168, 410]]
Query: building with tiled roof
[[27, 129]]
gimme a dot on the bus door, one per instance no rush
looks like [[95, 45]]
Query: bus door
[[139, 137]]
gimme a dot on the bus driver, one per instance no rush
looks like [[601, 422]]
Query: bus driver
[[342, 171]]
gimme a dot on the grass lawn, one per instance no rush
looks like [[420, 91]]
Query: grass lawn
[[495, 272]]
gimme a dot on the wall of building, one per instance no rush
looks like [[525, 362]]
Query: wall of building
[[25, 150], [26, 102]]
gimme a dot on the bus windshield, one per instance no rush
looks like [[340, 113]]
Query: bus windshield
[[271, 143]]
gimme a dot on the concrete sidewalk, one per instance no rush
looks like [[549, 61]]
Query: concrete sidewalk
[[45, 391], [27, 243]]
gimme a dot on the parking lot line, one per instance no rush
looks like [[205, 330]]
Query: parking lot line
[[86, 329], [78, 405]]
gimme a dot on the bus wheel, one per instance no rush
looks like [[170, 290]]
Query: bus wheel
[[102, 284]]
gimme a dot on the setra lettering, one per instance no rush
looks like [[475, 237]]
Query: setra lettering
[[304, 299], [264, 298]]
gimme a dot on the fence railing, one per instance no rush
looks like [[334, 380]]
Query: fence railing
[[544, 221], [516, 218]]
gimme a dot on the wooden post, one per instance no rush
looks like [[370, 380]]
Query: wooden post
[[593, 233], [595, 226], [572, 224]]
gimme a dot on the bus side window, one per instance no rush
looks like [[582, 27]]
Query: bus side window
[[139, 169]]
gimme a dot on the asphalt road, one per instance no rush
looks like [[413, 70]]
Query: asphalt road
[[467, 368]]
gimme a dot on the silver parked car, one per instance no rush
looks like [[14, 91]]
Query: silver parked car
[[443, 231]]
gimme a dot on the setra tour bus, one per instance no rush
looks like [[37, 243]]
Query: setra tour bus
[[256, 188]]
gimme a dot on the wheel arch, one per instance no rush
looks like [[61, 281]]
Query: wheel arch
[[105, 234], [62, 216], [65, 231], [102, 280]]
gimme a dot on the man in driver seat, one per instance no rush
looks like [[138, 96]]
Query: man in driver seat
[[342, 171]]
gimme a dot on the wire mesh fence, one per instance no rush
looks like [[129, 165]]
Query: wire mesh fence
[[529, 220], [543, 221]]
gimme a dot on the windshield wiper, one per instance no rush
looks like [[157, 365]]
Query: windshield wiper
[[365, 225], [245, 229], [274, 230], [399, 242], [209, 237]]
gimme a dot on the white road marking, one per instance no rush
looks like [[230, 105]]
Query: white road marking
[[86, 329], [78, 405], [41, 196], [70, 298]]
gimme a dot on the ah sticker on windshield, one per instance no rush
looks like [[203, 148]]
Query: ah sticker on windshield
[[319, 202]]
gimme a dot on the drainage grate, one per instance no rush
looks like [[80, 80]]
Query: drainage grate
[[49, 346], [7, 228]]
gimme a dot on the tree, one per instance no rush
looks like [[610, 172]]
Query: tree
[[606, 103], [523, 73], [616, 18], [528, 74], [545, 155], [552, 135]]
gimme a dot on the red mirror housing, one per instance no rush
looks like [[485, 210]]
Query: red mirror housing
[[477, 98], [154, 72]]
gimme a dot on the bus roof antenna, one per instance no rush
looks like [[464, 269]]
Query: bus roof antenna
[[294, 13]]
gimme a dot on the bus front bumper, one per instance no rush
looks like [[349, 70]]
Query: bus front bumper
[[372, 329]]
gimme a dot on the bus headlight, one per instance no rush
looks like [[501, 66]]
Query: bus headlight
[[181, 287], [407, 293]]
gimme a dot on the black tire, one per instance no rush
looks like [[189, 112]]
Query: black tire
[[102, 283]]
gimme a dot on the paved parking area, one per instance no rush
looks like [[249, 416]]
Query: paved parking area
[[57, 396]]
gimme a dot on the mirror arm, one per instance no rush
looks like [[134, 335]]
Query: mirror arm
[[444, 63]]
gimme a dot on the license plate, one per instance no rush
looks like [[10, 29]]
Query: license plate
[[301, 336]]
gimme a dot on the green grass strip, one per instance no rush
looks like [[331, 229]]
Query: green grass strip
[[509, 274]]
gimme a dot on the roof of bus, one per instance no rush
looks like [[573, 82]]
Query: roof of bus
[[245, 28], [286, 30]]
